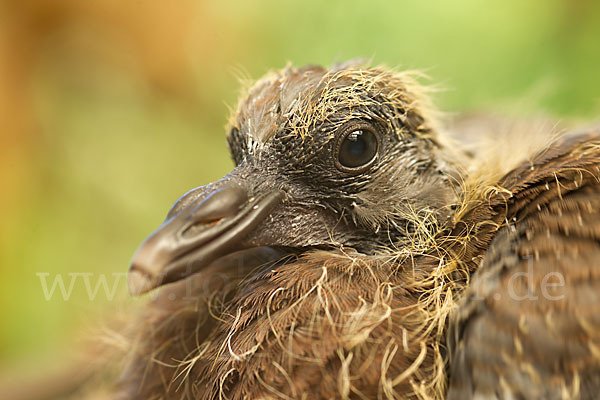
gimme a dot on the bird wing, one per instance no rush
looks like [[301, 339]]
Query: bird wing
[[528, 326]]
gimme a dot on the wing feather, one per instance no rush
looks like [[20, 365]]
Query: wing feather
[[529, 324]]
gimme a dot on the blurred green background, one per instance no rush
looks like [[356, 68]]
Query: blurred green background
[[110, 110]]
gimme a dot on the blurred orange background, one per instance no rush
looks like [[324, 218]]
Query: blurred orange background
[[109, 110]]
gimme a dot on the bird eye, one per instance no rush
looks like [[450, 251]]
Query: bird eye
[[357, 149]]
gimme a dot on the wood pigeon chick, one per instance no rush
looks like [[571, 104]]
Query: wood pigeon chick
[[358, 251]]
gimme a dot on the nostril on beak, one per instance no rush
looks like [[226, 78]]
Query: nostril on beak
[[222, 203]]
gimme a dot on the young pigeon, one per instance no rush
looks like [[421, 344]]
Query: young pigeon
[[359, 250]]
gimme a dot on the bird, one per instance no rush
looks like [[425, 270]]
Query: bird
[[363, 249]]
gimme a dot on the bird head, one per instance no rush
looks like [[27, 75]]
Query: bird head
[[346, 157]]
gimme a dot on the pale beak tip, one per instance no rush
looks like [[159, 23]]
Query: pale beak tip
[[139, 282]]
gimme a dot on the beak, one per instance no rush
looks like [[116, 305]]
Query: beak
[[203, 225]]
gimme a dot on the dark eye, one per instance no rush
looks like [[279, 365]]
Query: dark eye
[[357, 149]]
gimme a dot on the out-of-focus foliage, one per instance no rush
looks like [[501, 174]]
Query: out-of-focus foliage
[[109, 110]]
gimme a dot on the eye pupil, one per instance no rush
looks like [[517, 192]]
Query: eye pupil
[[356, 144], [358, 148]]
